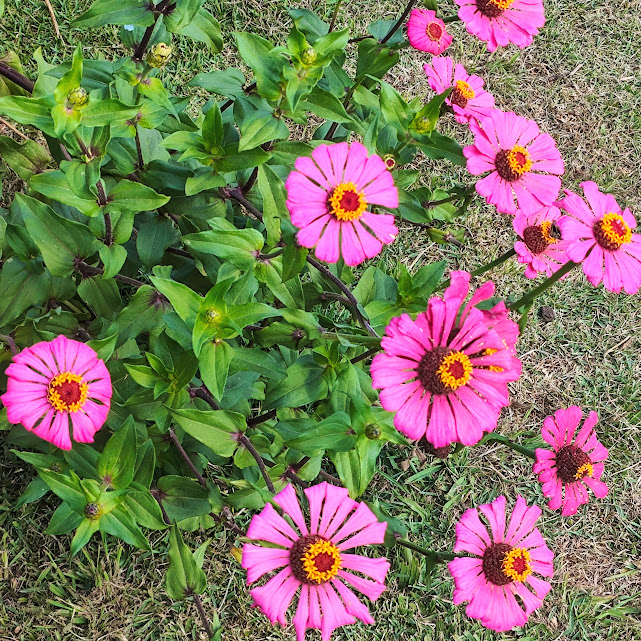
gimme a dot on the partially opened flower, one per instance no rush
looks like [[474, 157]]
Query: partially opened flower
[[468, 99], [501, 22], [542, 249], [53, 384], [504, 565], [575, 463], [599, 234], [446, 379], [521, 160], [329, 196], [314, 558], [426, 32]]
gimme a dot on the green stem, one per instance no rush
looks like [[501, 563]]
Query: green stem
[[332, 23], [546, 284], [498, 438], [437, 557], [485, 268], [449, 19]]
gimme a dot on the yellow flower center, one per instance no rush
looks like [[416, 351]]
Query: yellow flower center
[[546, 229], [464, 89], [346, 202], [321, 561], [455, 370], [516, 564], [612, 231], [67, 392], [519, 161], [502, 4], [583, 471]]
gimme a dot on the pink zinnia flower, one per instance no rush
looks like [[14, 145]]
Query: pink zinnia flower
[[426, 32], [576, 460], [501, 22], [468, 98], [599, 231], [314, 559], [542, 248], [328, 197], [503, 566], [53, 383], [515, 152], [446, 379]]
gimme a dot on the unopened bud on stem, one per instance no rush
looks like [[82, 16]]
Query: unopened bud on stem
[[77, 98], [159, 55]]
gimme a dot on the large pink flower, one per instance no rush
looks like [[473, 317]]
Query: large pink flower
[[468, 98], [600, 231], [426, 32], [446, 378], [515, 152], [501, 22], [53, 383], [504, 565], [542, 248], [328, 196], [314, 559], [577, 460]]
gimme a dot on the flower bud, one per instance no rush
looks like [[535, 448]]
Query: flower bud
[[93, 511], [390, 161], [373, 432], [78, 98], [423, 124], [308, 56], [212, 315], [159, 55]]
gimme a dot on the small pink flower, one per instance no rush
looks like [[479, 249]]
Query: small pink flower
[[468, 98], [504, 564], [501, 22], [542, 248], [53, 383], [328, 196], [599, 231], [314, 559], [446, 375], [426, 32], [515, 152], [577, 460]]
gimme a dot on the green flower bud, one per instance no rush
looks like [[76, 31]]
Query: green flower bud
[[423, 124], [373, 432], [159, 55], [212, 315], [308, 56], [56, 467], [78, 98], [93, 511]]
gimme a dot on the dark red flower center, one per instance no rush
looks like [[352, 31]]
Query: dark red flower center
[[538, 238], [314, 559], [442, 370], [434, 31], [461, 94], [350, 201], [67, 392], [511, 164], [572, 464], [611, 232], [346, 202], [493, 563], [493, 8]]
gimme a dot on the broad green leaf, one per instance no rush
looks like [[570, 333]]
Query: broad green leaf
[[184, 300], [145, 510], [153, 239], [249, 359], [120, 523], [229, 83], [425, 120], [66, 487], [153, 89], [132, 196], [99, 113], [183, 498], [325, 105], [333, 433], [183, 577], [217, 429], [273, 192], [213, 360], [54, 185], [213, 128], [304, 384], [394, 109], [21, 286], [205, 179], [145, 464], [266, 65], [70, 80], [259, 127], [63, 520], [85, 531], [35, 490], [439, 146], [113, 258], [116, 465], [28, 111], [60, 240], [101, 295], [205, 28], [395, 529], [102, 12], [26, 159], [357, 467], [184, 13]]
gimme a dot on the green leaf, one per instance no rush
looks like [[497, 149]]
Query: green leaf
[[205, 28], [205, 179], [54, 185], [28, 111], [213, 128], [394, 109], [113, 258], [25, 159], [425, 120], [213, 360], [145, 509], [99, 113], [215, 428], [334, 433], [63, 520], [267, 66], [101, 295], [304, 384], [35, 490], [66, 487], [85, 531], [145, 464], [183, 577], [132, 196], [153, 239], [395, 528], [273, 192], [438, 146], [116, 463], [70, 80], [249, 359], [259, 127], [153, 89], [60, 240], [22, 285], [325, 105], [102, 12], [229, 83], [184, 300], [183, 498], [120, 523], [357, 467], [184, 13]]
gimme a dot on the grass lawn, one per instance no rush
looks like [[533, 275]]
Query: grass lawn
[[581, 81]]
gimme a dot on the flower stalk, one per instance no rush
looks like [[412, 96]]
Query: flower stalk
[[435, 557], [499, 438], [546, 284]]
